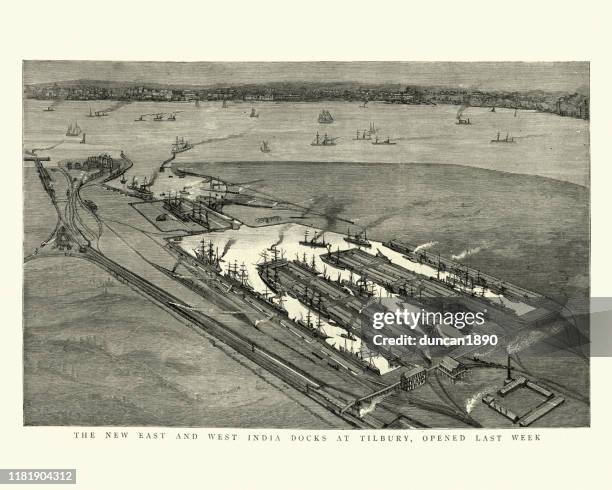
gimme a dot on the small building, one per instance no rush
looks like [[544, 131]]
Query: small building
[[413, 378], [452, 368]]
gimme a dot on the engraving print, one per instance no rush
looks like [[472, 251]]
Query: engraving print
[[243, 244]]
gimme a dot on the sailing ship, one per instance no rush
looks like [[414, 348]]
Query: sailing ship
[[507, 139], [142, 190], [325, 117], [492, 109], [360, 239], [171, 117], [383, 142], [317, 240], [180, 145], [325, 141], [91, 114], [74, 129], [207, 254], [253, 113], [265, 147], [348, 335], [515, 110], [315, 329], [82, 139], [159, 117], [240, 276], [224, 104], [373, 129], [197, 103], [366, 135]]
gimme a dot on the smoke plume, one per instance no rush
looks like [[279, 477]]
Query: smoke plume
[[34, 150], [153, 177], [221, 138], [227, 247], [117, 105], [281, 236], [526, 339], [425, 246], [329, 207], [472, 401], [466, 253], [462, 108]]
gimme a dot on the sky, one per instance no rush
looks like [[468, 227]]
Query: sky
[[552, 76]]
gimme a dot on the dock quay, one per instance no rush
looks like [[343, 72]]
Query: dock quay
[[324, 296], [327, 298], [471, 275], [186, 210], [261, 303], [433, 292], [393, 277]]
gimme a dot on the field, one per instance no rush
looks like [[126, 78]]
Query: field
[[97, 353]]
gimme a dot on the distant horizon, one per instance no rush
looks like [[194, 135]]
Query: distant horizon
[[501, 76]]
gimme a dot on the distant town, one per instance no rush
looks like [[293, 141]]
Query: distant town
[[561, 103]]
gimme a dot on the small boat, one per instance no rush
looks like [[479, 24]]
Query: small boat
[[325, 141], [82, 139], [360, 239], [265, 147], [366, 135], [383, 142], [141, 117], [48, 109], [507, 139], [74, 129], [492, 109], [325, 117], [253, 113], [317, 241], [180, 145]]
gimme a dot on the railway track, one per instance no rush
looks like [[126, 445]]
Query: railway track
[[283, 369]]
